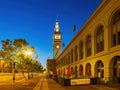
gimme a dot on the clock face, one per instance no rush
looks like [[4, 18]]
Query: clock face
[[57, 36], [57, 46], [57, 29]]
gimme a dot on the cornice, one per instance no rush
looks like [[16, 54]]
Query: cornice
[[96, 12]]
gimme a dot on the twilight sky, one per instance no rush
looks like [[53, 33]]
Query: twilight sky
[[34, 20]]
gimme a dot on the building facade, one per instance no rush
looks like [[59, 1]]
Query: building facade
[[95, 50]]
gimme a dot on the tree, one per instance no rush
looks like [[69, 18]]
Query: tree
[[14, 52], [10, 49], [6, 52]]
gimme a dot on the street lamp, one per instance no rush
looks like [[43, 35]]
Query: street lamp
[[28, 53], [13, 70]]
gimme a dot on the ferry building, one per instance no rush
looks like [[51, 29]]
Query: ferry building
[[95, 50]]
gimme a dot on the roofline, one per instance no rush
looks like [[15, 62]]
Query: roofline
[[95, 13]]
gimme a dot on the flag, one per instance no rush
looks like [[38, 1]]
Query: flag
[[63, 44], [73, 27]]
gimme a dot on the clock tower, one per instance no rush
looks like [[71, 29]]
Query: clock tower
[[57, 41]]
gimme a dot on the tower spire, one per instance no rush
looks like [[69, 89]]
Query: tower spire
[[57, 29], [57, 40]]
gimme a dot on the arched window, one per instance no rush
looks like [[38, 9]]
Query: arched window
[[64, 71], [66, 59], [115, 28], [76, 53], [72, 56], [81, 49], [80, 70], [99, 39], [100, 69], [89, 46], [72, 71], [88, 69], [69, 58], [76, 71], [116, 66]]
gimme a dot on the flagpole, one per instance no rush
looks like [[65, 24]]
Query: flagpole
[[73, 30]]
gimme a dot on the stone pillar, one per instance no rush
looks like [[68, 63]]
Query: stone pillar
[[107, 76]]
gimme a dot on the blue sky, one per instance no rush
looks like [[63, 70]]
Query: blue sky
[[34, 20]]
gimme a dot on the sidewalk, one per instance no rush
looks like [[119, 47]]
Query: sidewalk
[[115, 86], [7, 78], [50, 84]]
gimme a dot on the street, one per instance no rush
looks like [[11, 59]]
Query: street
[[43, 83]]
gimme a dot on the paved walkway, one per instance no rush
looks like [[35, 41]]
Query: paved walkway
[[8, 77], [50, 84], [43, 83]]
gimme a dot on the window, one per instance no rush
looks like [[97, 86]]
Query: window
[[76, 53], [72, 56], [72, 71], [99, 39], [88, 46], [81, 50], [100, 70], [115, 28], [66, 60], [69, 58], [80, 70], [88, 69]]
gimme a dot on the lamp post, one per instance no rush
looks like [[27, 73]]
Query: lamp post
[[13, 70]]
